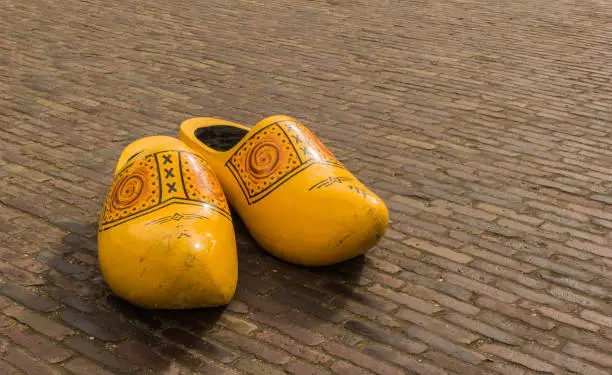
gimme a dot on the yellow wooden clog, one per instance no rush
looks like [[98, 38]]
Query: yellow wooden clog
[[296, 199], [166, 239]]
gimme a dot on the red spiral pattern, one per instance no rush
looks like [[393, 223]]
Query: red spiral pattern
[[263, 160], [127, 191]]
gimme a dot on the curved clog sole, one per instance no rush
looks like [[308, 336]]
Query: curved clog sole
[[297, 200]]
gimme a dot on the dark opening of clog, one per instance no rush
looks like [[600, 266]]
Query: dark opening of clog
[[221, 137]]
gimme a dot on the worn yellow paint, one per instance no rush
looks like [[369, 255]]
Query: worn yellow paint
[[166, 239], [296, 199]]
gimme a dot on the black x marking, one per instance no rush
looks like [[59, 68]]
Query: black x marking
[[167, 159], [171, 187], [169, 172]]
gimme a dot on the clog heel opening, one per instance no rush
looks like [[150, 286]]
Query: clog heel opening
[[220, 137]]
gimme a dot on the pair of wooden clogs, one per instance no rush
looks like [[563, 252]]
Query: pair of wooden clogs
[[166, 238]]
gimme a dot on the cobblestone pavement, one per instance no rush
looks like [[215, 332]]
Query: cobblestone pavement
[[485, 125]]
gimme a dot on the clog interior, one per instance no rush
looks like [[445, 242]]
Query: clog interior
[[220, 137]]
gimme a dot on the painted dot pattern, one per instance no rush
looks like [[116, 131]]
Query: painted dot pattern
[[272, 155], [265, 158], [200, 181], [314, 148], [133, 190], [151, 181]]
